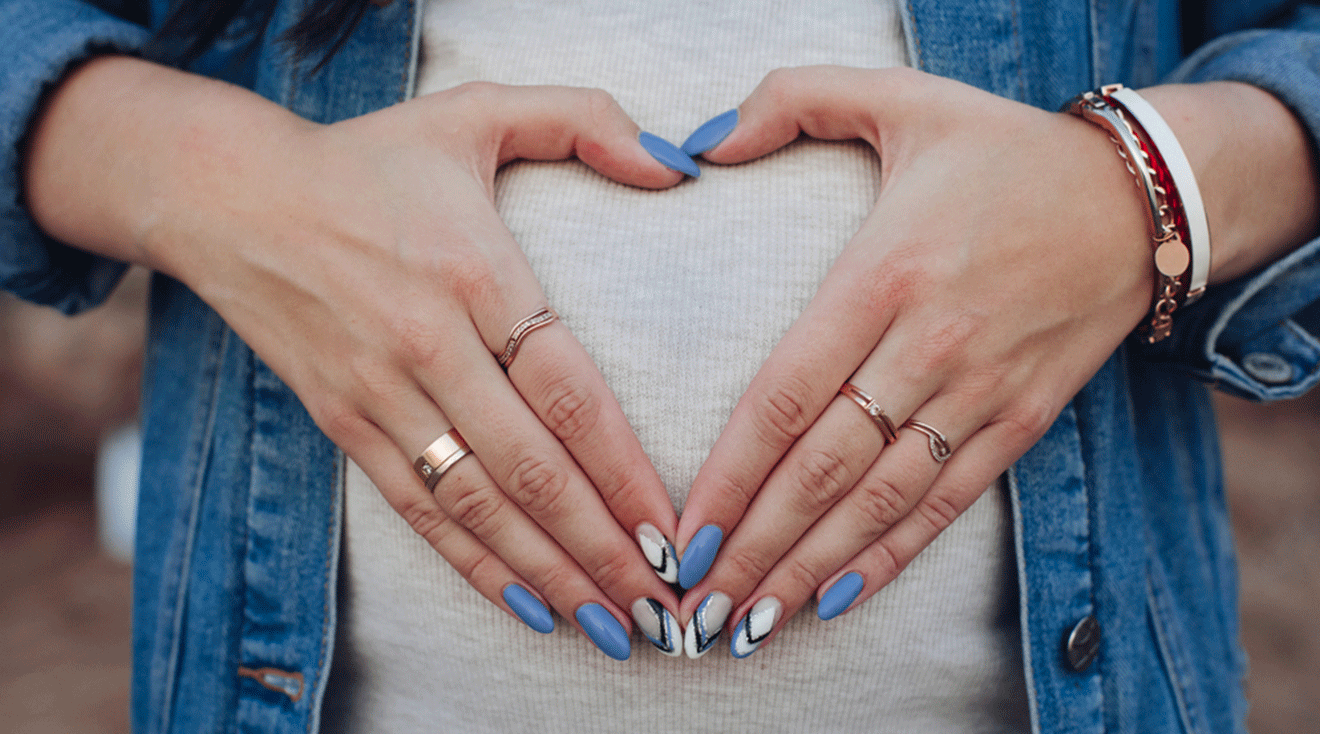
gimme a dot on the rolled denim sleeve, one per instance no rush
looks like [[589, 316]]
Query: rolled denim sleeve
[[1259, 337], [42, 40]]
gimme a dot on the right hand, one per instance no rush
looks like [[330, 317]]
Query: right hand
[[365, 263]]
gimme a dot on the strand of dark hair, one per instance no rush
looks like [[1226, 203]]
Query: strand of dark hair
[[192, 26]]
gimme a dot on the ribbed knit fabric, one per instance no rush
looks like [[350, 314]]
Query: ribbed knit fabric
[[679, 296]]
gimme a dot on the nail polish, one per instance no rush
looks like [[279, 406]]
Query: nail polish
[[711, 133], [840, 595], [755, 627], [699, 555], [659, 552], [529, 609], [659, 626], [707, 624], [669, 154], [604, 630]]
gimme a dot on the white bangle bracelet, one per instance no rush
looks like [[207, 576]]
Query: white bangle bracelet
[[1162, 137]]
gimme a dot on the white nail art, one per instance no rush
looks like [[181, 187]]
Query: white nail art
[[659, 552], [659, 626], [755, 627], [707, 623]]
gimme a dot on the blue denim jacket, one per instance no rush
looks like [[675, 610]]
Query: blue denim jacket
[[1118, 511]]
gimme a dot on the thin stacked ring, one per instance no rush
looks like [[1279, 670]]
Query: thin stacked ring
[[868, 404], [542, 317], [939, 445], [440, 457]]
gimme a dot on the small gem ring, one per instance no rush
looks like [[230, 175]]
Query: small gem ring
[[440, 457], [873, 411], [542, 317]]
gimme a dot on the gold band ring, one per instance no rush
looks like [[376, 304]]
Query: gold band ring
[[868, 404], [542, 317], [440, 457], [939, 445]]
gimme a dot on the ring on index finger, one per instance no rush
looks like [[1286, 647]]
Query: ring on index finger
[[873, 410], [440, 457], [542, 317]]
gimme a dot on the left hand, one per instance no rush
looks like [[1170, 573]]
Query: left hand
[[1006, 258]]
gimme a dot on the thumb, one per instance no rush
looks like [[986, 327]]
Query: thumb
[[825, 102], [546, 123]]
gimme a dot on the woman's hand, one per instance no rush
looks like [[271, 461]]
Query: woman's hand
[[1006, 258], [366, 264]]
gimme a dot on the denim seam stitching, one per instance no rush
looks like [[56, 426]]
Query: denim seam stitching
[[329, 608], [185, 562], [1169, 651]]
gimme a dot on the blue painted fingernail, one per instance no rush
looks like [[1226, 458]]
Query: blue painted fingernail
[[839, 596], [604, 630], [529, 609], [711, 133], [667, 153], [699, 555], [755, 627]]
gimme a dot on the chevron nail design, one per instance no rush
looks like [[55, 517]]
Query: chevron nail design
[[659, 626], [659, 552], [755, 627], [707, 624]]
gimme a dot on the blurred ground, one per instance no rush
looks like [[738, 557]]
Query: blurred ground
[[64, 613]]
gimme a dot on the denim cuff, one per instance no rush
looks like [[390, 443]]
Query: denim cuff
[[43, 42]]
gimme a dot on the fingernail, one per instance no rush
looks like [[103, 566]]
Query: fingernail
[[755, 627], [659, 552], [529, 609], [711, 133], [699, 555], [604, 630], [659, 626], [667, 153], [707, 624], [840, 596]]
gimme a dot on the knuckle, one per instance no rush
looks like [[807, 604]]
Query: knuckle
[[342, 422], [734, 495], [572, 409], [888, 562], [1028, 421], [625, 489], [611, 571], [823, 476], [475, 96], [747, 566], [937, 512], [415, 342], [782, 414], [600, 104], [473, 504], [883, 503], [468, 276], [561, 576], [472, 567], [425, 517], [802, 576], [539, 485], [781, 84], [887, 288]]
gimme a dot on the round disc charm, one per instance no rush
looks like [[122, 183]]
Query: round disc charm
[[1172, 258]]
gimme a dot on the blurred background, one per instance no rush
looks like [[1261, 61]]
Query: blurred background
[[68, 398]]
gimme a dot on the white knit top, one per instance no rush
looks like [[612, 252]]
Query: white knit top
[[679, 296]]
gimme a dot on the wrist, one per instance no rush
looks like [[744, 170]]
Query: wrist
[[126, 152], [1255, 168]]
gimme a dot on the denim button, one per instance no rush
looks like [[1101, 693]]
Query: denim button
[[1269, 368], [1081, 644]]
